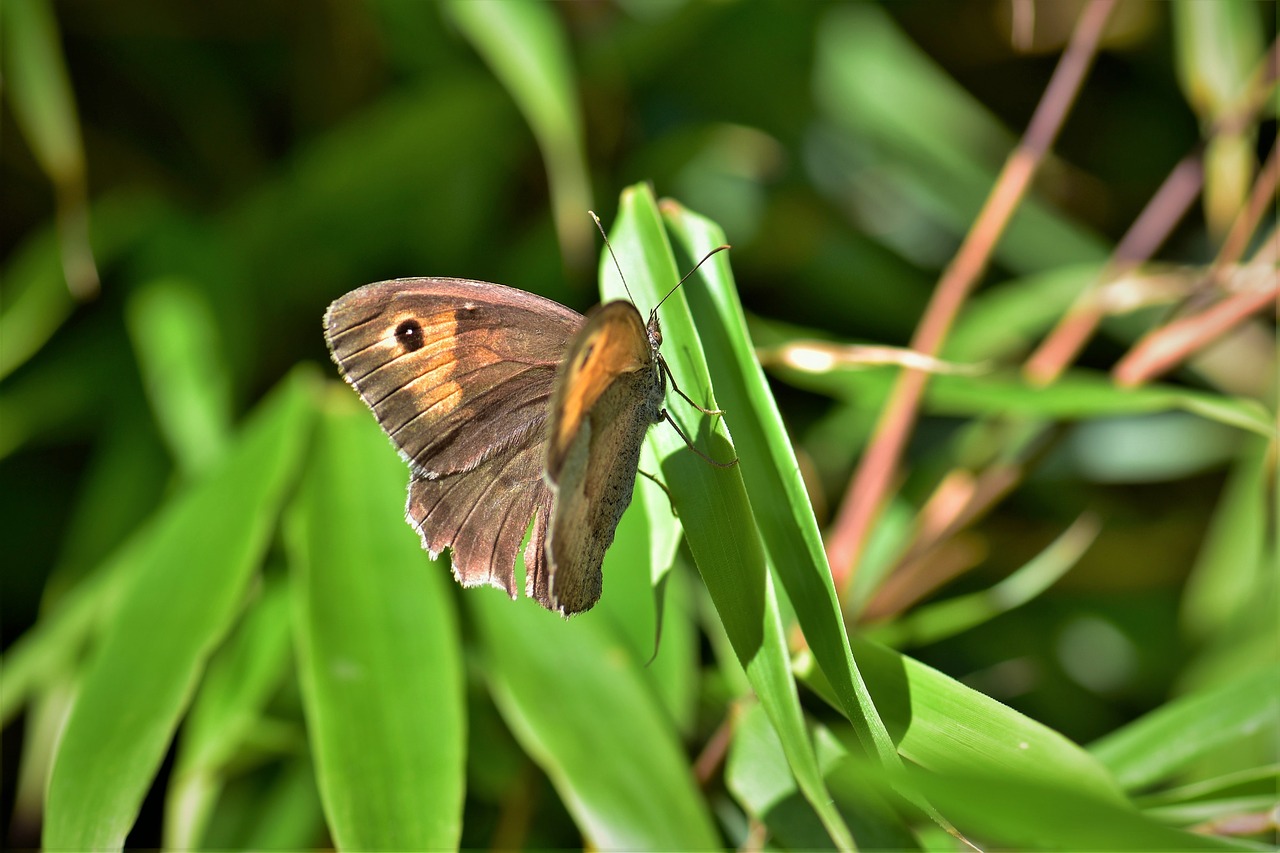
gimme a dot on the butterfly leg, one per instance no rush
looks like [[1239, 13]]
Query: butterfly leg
[[666, 416], [674, 387], [663, 486]]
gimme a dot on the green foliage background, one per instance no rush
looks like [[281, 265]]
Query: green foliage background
[[218, 631]]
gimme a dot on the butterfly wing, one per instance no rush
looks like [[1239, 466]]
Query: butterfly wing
[[608, 392], [460, 374]]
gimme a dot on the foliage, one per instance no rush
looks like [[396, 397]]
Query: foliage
[[1059, 632]]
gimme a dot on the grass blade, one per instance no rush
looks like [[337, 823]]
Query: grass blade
[[188, 587], [378, 644], [712, 502]]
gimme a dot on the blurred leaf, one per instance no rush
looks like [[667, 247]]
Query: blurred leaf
[[350, 202], [186, 587], [1079, 394], [1230, 566], [39, 93], [523, 43], [1218, 46], [233, 693], [928, 150], [1004, 321], [575, 699], [181, 361], [125, 481], [45, 652], [39, 89], [1166, 740], [1230, 164], [377, 640], [631, 605], [290, 816], [933, 622], [713, 501], [275, 807], [1226, 796], [36, 300], [41, 727], [1159, 447]]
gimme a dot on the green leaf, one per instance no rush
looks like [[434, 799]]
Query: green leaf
[[931, 149], [1005, 320], [522, 41], [949, 728], [1226, 796], [937, 621], [639, 544], [39, 89], [39, 92], [1077, 395], [1217, 50], [37, 302], [769, 469], [756, 773], [1168, 739], [712, 502], [1230, 568], [574, 697], [1050, 814], [44, 653], [185, 590], [380, 662], [176, 341], [233, 694]]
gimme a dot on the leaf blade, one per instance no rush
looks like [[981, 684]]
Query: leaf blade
[[378, 646]]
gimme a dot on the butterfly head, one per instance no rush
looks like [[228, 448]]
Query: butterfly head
[[654, 330]]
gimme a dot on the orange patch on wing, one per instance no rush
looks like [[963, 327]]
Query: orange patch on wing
[[617, 347], [443, 398], [436, 359]]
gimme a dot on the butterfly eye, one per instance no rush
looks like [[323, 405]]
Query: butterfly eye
[[409, 334]]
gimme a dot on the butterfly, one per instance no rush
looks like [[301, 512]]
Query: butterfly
[[508, 407]]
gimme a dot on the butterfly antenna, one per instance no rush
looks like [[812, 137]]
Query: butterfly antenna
[[616, 265], [716, 250]]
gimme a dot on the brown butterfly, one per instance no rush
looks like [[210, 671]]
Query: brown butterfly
[[507, 407]]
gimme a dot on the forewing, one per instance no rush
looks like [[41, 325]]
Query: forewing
[[460, 374], [455, 371]]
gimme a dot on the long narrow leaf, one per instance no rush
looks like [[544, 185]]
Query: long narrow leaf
[[240, 680], [769, 467], [188, 585], [575, 699], [1166, 740], [712, 501], [950, 728], [380, 664]]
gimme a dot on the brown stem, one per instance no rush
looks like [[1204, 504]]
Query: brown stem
[[1169, 345], [717, 747], [871, 483], [1153, 226]]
